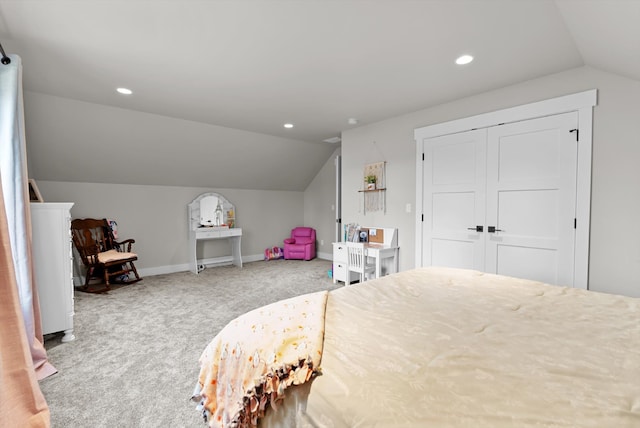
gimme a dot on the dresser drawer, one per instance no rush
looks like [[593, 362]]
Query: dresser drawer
[[340, 271], [340, 252]]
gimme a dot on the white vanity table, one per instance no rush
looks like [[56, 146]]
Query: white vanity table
[[212, 216]]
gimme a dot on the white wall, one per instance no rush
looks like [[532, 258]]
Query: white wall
[[75, 141], [615, 239], [319, 206], [156, 217]]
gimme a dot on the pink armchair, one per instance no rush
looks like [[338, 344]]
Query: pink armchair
[[301, 245]]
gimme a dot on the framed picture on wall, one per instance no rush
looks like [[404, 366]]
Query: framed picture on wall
[[34, 192]]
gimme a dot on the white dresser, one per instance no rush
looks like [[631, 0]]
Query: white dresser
[[52, 261], [340, 264]]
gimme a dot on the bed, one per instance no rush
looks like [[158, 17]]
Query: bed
[[437, 347]]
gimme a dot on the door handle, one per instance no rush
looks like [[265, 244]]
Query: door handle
[[477, 228], [492, 229]]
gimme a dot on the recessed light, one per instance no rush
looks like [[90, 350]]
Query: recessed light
[[352, 121], [464, 59], [288, 125], [124, 91]]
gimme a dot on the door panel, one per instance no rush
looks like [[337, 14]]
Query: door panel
[[454, 161], [453, 211], [531, 194], [526, 155], [454, 200], [537, 264], [532, 213], [452, 253]]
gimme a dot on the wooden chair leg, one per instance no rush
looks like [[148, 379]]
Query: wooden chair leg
[[87, 278], [106, 273], [135, 271], [87, 287]]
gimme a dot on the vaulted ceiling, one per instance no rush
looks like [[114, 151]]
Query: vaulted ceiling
[[254, 65]]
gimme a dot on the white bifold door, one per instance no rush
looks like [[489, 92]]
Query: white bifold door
[[503, 199]]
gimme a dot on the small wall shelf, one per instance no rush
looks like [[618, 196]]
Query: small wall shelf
[[371, 190]]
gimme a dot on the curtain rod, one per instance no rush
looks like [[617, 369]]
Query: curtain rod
[[5, 59]]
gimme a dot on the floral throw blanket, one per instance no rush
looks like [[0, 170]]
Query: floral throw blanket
[[251, 362]]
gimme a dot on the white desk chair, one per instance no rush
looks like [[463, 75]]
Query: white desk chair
[[357, 260]]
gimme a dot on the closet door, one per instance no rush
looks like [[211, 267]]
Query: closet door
[[503, 199], [454, 200], [531, 195]]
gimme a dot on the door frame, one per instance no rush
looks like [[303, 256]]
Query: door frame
[[338, 206], [582, 103]]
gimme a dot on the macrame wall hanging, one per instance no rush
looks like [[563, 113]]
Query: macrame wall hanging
[[374, 187]]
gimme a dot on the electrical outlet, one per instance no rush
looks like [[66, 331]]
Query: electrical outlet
[[408, 208], [322, 242]]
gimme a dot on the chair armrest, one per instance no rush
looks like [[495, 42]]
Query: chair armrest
[[128, 242], [290, 241]]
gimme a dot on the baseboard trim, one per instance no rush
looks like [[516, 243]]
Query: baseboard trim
[[162, 270]]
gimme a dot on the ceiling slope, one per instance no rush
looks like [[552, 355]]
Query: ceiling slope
[[215, 81]]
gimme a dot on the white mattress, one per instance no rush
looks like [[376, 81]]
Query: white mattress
[[452, 348]]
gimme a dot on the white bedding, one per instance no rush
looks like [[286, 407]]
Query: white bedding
[[451, 348]]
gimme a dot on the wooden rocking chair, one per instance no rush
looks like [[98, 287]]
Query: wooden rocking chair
[[102, 255]]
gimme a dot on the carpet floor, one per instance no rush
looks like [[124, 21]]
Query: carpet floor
[[134, 362]]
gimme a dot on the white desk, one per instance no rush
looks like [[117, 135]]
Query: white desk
[[380, 252], [234, 235], [382, 246]]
